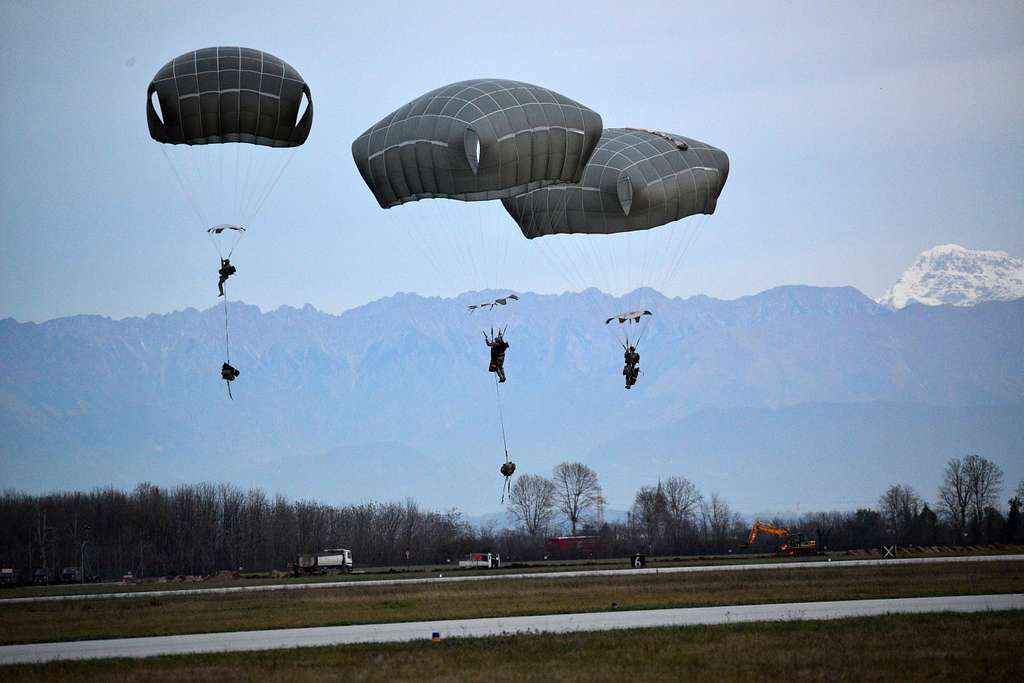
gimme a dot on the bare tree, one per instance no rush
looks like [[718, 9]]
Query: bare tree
[[650, 515], [683, 499], [955, 494], [985, 481], [719, 523], [899, 506], [1020, 490], [580, 497], [532, 502]]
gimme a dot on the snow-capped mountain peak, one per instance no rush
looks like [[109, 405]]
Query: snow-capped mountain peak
[[951, 274]]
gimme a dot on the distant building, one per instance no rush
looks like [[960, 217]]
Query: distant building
[[571, 547]]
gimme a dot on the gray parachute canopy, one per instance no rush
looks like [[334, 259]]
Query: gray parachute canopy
[[475, 140], [229, 94], [636, 179]]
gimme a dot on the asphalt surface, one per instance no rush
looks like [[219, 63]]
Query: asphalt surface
[[354, 584], [470, 628]]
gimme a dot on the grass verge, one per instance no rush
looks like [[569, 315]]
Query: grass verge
[[962, 647], [80, 620]]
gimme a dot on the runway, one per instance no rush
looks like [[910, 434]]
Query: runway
[[524, 576], [468, 628]]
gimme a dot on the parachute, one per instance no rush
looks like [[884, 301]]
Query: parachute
[[229, 94], [476, 140], [635, 180], [633, 316], [631, 327], [489, 305], [225, 238], [203, 99], [617, 227]]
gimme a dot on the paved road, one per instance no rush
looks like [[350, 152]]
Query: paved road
[[550, 623], [354, 584]]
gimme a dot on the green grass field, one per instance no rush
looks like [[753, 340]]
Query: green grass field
[[961, 647], [76, 620]]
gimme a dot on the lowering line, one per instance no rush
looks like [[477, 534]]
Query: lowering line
[[227, 340], [501, 419], [507, 487]]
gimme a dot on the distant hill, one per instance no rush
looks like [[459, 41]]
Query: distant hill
[[793, 394]]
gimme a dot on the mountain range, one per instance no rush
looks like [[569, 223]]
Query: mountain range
[[798, 396]]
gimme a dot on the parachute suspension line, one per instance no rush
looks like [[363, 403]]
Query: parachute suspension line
[[426, 223], [577, 265], [267, 160], [234, 242], [268, 190], [216, 245], [657, 363], [494, 241], [640, 333], [421, 243], [472, 256], [221, 195], [243, 198], [548, 246], [461, 246], [185, 189], [234, 195], [484, 246], [571, 268], [695, 233], [253, 179], [430, 232]]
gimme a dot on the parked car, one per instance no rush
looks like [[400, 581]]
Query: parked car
[[9, 576], [71, 575], [41, 576]]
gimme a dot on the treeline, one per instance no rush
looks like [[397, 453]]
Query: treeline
[[672, 517], [203, 528]]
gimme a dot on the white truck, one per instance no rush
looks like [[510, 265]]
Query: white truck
[[481, 561], [329, 561]]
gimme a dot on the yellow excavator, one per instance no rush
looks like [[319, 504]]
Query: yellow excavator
[[792, 543]]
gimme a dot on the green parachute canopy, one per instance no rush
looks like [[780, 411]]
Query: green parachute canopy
[[635, 180], [476, 140], [229, 94]]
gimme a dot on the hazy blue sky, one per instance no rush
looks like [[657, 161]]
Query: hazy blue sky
[[859, 135]]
